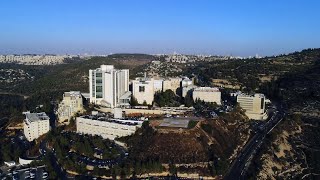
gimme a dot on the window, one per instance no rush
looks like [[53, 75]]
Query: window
[[98, 81], [262, 103], [99, 89], [98, 74], [141, 88]]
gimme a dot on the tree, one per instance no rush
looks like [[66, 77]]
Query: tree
[[188, 100], [145, 103], [173, 169], [167, 98], [133, 101]]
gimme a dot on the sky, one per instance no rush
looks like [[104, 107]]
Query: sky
[[221, 27]]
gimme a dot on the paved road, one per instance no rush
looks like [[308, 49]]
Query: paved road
[[239, 165], [11, 93], [62, 174]]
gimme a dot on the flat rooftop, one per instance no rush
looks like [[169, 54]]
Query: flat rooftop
[[130, 122], [175, 122], [37, 116], [206, 89], [72, 94], [252, 95]]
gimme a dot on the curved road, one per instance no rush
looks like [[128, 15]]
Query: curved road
[[243, 160]]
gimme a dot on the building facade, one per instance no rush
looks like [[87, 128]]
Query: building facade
[[187, 86], [72, 102], [254, 105], [143, 90], [108, 128], [172, 84], [207, 94], [35, 125], [158, 84], [177, 58], [109, 86]]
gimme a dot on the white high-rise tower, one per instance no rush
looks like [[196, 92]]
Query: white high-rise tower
[[109, 87]]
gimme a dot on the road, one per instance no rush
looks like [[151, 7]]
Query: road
[[243, 160], [62, 174], [17, 94]]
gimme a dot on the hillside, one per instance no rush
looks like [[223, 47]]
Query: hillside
[[207, 148], [251, 74], [292, 150]]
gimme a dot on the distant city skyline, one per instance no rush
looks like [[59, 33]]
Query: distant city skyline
[[238, 28]]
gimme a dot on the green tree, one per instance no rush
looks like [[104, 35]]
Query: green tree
[[144, 103], [167, 98], [133, 101]]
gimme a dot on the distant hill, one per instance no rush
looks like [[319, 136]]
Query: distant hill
[[51, 81], [128, 56]]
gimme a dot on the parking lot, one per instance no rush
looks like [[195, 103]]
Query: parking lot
[[95, 161]]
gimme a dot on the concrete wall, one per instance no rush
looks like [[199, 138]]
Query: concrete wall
[[207, 96]]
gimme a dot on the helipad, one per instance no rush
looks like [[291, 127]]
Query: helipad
[[175, 122]]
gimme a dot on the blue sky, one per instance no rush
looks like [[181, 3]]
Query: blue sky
[[237, 27]]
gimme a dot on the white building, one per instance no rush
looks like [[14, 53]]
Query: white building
[[143, 90], [187, 89], [207, 94], [109, 87], [108, 128], [158, 84], [35, 125], [254, 105], [187, 86], [72, 103], [10, 163], [186, 82], [178, 58]]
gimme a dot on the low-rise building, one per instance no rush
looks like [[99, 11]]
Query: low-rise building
[[207, 94], [106, 127], [35, 125], [143, 90], [254, 105], [72, 103]]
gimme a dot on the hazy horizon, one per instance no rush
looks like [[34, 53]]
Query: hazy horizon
[[238, 28]]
